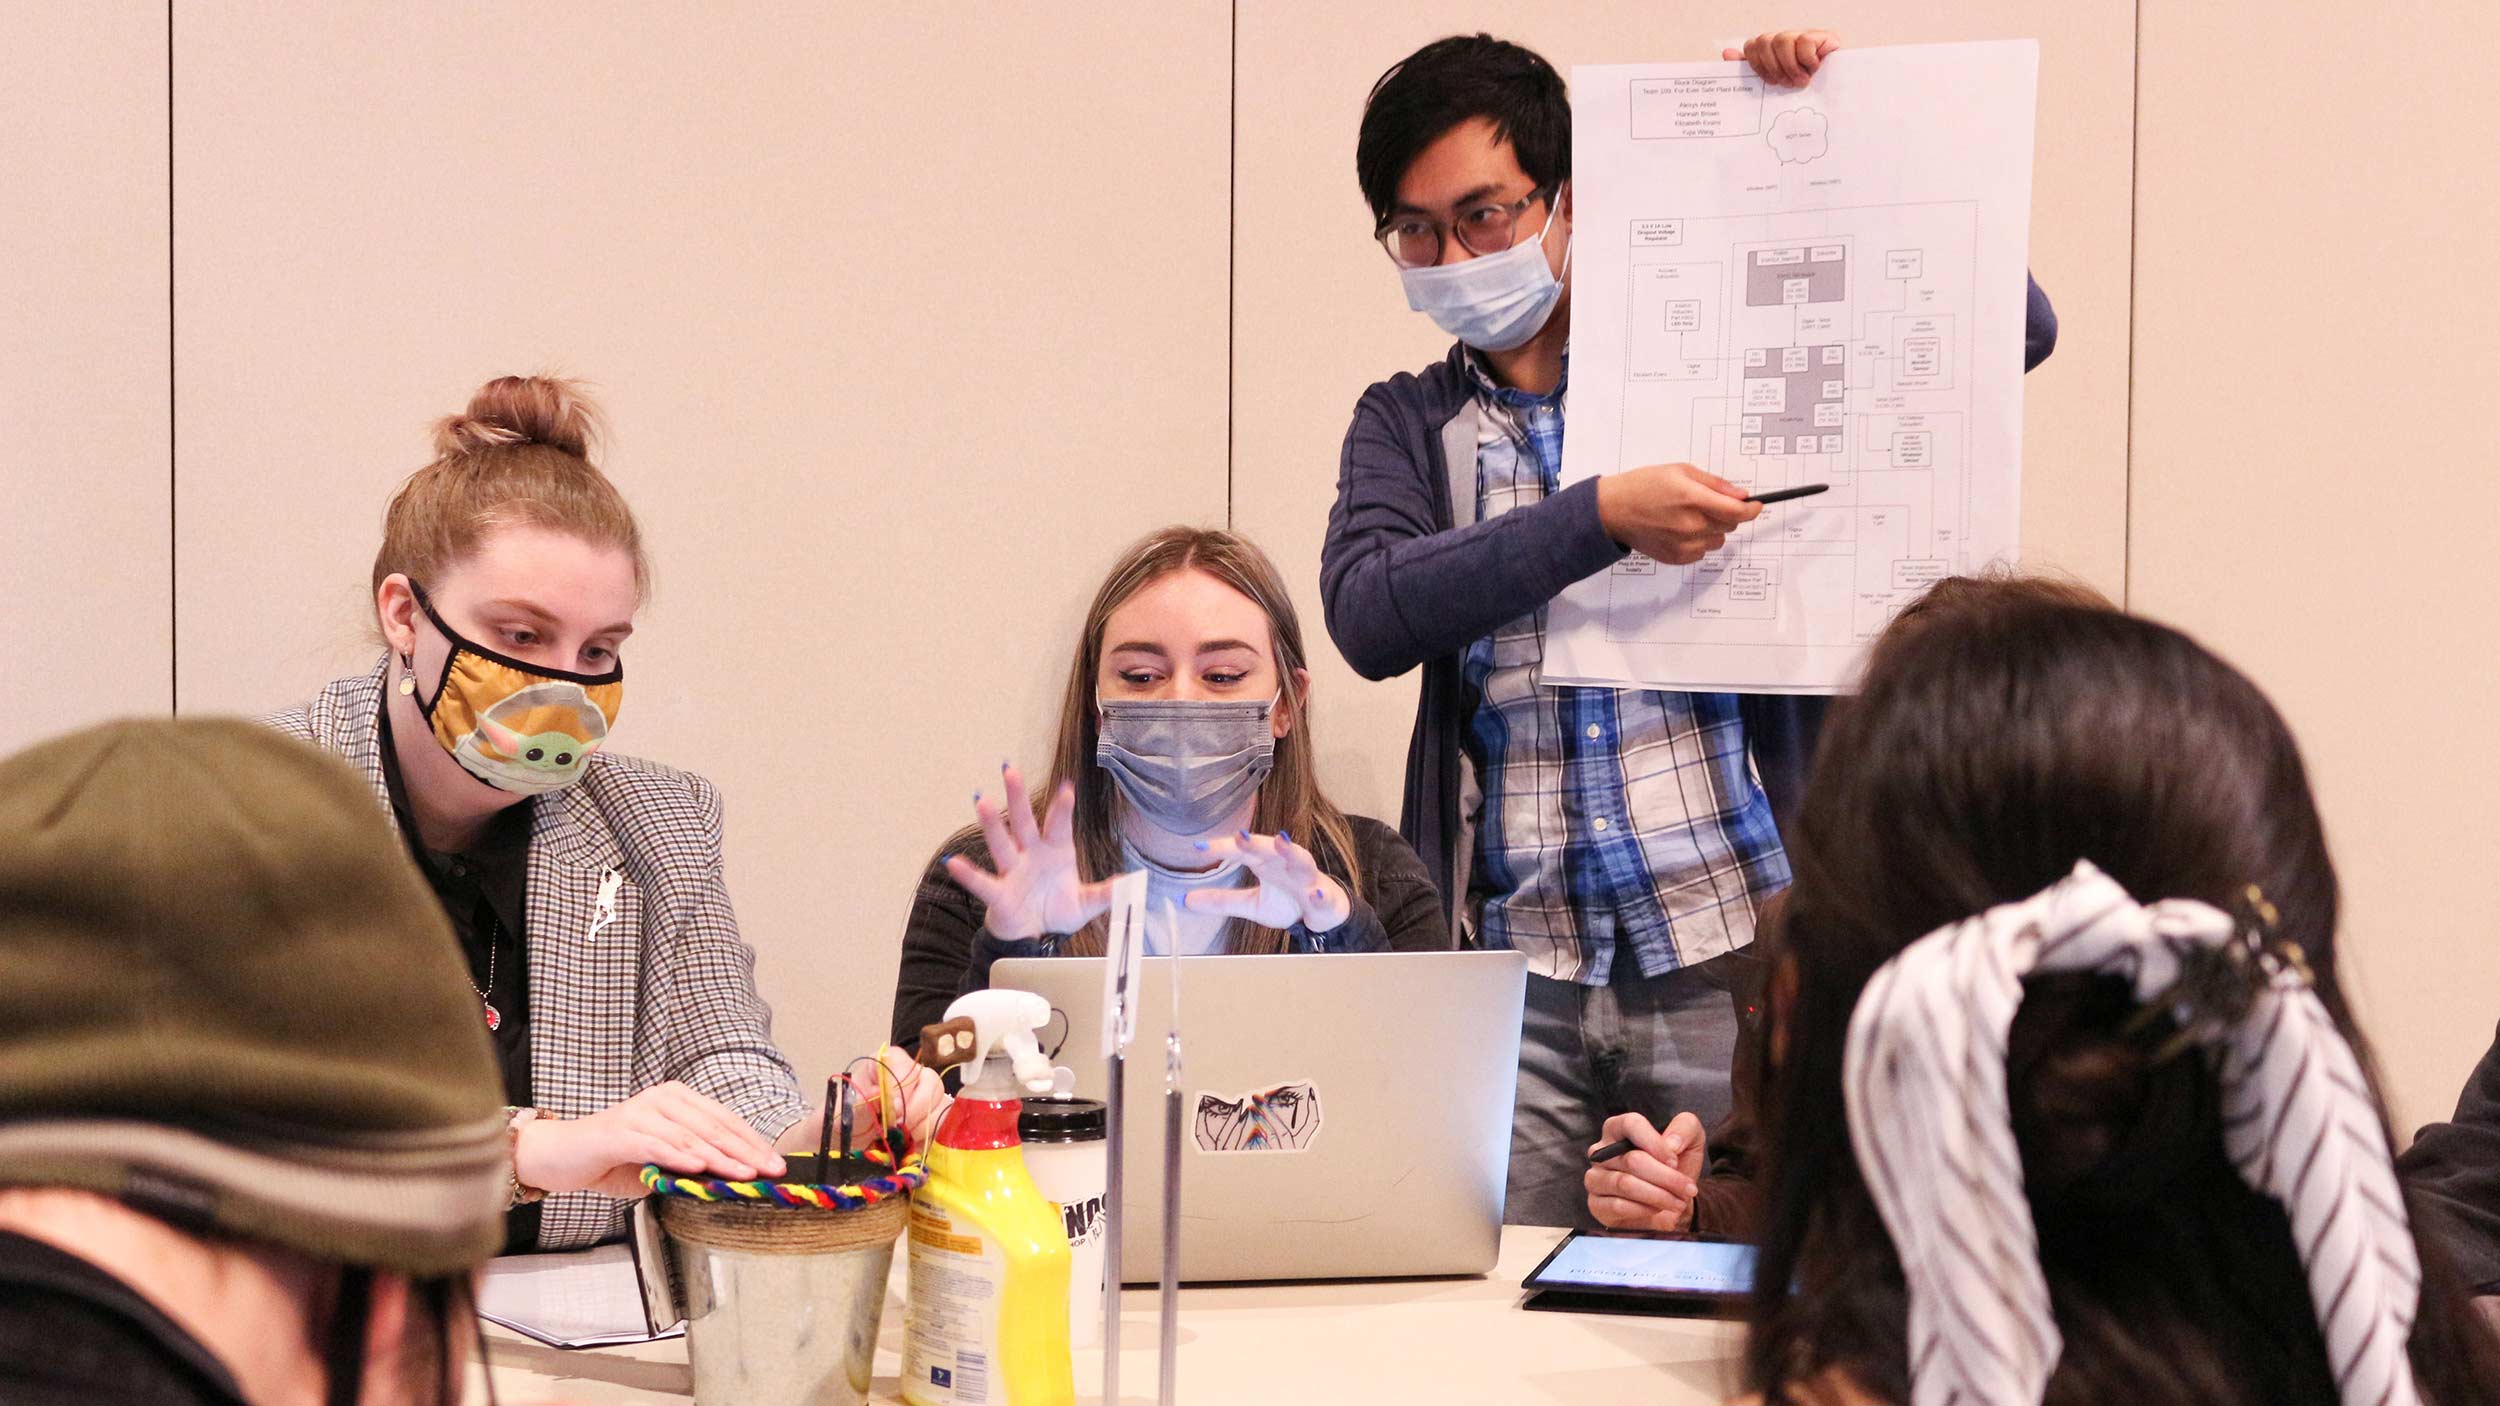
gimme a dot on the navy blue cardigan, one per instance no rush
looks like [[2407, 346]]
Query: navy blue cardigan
[[1403, 586]]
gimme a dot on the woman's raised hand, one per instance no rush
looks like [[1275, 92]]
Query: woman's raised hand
[[1291, 889], [1036, 887]]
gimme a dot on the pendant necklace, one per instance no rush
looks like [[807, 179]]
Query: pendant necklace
[[486, 993]]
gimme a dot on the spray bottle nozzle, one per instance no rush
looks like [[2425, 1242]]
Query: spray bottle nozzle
[[946, 1044], [986, 1026]]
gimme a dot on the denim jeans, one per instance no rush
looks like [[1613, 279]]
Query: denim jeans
[[1657, 1046]]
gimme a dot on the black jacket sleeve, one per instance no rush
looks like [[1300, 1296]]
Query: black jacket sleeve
[[1728, 1199], [2453, 1171], [937, 943], [1398, 889]]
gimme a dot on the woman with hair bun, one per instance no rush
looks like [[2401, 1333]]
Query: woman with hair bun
[[584, 886]]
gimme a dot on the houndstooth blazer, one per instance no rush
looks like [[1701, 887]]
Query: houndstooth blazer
[[665, 989]]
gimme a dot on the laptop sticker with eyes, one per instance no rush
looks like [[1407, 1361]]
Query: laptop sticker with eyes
[[1279, 1118]]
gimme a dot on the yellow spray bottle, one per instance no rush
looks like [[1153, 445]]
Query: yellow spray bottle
[[986, 1320]]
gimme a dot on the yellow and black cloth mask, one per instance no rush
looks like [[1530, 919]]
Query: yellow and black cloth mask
[[515, 726]]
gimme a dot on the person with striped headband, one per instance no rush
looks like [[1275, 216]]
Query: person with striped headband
[[2065, 1101]]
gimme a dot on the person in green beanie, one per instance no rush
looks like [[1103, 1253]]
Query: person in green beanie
[[252, 1146], [584, 887]]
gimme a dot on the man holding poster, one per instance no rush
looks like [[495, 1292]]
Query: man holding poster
[[1623, 838]]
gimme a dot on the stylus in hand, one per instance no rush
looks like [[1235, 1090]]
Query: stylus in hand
[[1610, 1151]]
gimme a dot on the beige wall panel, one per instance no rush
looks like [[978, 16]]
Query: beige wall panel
[[85, 552], [1318, 313], [2317, 457], [906, 321]]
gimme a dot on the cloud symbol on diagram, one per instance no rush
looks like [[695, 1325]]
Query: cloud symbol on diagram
[[1800, 135]]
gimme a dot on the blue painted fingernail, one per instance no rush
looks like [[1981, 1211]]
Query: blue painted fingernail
[[1319, 893], [976, 798], [1281, 835], [1202, 844], [1245, 834]]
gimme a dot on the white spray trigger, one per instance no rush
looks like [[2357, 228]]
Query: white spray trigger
[[1005, 1023]]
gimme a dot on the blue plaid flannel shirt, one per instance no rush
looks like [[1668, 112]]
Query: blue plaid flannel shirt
[[1613, 818]]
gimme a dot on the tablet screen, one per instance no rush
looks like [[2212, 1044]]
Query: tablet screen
[[1704, 1267]]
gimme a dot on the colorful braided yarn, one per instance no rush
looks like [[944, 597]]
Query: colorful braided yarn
[[900, 1181]]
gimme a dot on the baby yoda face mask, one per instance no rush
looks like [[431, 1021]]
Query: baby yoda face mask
[[512, 725]]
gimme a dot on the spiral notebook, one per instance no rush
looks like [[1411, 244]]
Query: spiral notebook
[[600, 1297]]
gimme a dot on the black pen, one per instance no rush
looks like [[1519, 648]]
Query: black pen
[[1784, 494], [1611, 1151]]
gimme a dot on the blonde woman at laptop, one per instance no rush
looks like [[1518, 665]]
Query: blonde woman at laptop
[[1184, 750]]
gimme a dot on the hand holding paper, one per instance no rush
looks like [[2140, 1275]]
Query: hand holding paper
[[1786, 57]]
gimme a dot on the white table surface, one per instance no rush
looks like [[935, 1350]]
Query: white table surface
[[1371, 1342]]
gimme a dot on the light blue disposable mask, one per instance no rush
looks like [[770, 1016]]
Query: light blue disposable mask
[[1492, 302], [1188, 765]]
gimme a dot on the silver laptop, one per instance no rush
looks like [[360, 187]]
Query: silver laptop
[[1346, 1116]]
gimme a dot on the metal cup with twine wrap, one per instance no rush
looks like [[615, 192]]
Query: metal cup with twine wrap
[[784, 1280]]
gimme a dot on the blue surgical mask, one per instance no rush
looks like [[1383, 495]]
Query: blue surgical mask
[[1493, 302], [1187, 765]]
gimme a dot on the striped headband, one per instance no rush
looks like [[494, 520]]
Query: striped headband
[[1924, 1084]]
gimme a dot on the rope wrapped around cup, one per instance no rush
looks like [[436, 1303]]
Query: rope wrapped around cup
[[824, 1196], [834, 1199]]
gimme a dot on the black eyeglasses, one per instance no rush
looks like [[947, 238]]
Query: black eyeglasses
[[1413, 241]]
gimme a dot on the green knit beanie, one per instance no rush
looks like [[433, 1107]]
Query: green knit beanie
[[226, 997]]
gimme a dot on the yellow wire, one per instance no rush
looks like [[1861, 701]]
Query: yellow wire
[[888, 1090]]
